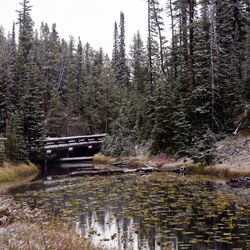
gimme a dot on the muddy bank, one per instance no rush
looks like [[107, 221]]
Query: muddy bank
[[24, 228]]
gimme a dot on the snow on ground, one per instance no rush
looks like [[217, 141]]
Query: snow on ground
[[234, 152], [24, 228]]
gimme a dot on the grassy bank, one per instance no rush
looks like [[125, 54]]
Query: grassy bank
[[135, 162], [102, 159], [225, 172], [24, 228], [11, 171], [25, 235], [216, 171]]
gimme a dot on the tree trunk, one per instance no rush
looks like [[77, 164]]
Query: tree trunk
[[191, 43]]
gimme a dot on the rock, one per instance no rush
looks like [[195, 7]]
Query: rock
[[241, 182]]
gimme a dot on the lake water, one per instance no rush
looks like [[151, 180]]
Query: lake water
[[134, 211]]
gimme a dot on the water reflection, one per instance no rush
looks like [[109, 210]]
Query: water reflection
[[104, 228], [139, 212]]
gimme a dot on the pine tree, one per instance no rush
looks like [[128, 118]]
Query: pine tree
[[24, 45], [139, 82], [191, 10], [230, 37], [54, 52], [246, 85], [29, 81], [123, 136], [138, 65], [122, 69], [173, 50], [16, 146], [115, 51], [246, 71], [180, 20], [163, 130], [71, 81], [55, 119], [200, 101], [3, 82], [216, 122], [156, 32], [108, 96], [203, 149], [80, 74], [32, 113], [181, 128], [45, 64], [12, 75]]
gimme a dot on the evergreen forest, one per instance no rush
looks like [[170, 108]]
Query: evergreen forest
[[179, 91]]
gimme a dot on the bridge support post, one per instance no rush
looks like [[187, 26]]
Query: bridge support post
[[45, 165]]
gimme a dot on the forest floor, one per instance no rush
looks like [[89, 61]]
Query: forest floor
[[234, 153]]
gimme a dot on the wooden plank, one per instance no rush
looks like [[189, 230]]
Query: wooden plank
[[75, 159], [66, 145], [79, 165], [82, 137]]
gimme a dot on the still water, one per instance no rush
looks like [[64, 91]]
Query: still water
[[134, 211]]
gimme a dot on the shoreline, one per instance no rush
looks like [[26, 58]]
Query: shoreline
[[166, 164], [11, 172], [26, 228]]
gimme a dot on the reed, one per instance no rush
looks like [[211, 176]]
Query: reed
[[103, 159], [26, 235], [215, 171], [11, 171]]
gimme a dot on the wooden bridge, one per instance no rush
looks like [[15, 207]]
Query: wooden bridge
[[71, 149]]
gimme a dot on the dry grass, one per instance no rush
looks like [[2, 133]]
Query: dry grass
[[24, 228], [135, 162], [10, 171], [138, 161], [221, 172], [25, 235], [102, 159]]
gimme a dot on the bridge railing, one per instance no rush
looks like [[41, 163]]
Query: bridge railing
[[64, 142]]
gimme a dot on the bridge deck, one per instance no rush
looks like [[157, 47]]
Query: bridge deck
[[73, 138], [61, 143]]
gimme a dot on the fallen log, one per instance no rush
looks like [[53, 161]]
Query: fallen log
[[97, 172], [121, 164], [146, 169]]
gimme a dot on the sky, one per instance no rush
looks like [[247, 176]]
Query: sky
[[91, 20]]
